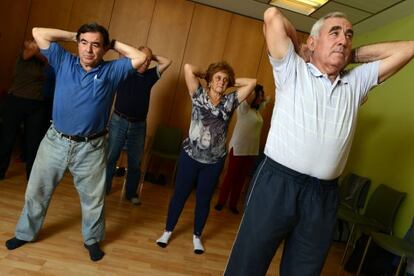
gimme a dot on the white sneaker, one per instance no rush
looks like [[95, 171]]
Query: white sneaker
[[163, 240], [135, 201], [198, 246]]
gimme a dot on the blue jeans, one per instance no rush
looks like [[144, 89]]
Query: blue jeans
[[285, 205], [86, 162], [123, 132], [189, 173]]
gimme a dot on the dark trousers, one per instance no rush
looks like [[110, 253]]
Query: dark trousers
[[285, 205], [237, 172], [33, 114], [189, 173]]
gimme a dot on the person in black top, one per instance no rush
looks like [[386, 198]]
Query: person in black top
[[25, 103], [127, 126]]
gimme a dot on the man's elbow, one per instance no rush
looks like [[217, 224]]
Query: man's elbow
[[272, 14], [187, 67], [35, 32]]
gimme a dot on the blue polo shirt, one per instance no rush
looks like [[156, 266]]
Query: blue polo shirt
[[83, 99]]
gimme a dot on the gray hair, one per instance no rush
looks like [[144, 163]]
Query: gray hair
[[316, 28]]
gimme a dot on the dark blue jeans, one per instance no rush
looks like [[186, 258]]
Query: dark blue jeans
[[189, 173], [285, 205], [121, 133]]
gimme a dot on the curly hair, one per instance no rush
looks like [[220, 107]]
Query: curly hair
[[220, 66]]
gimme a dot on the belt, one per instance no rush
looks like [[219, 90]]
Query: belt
[[129, 119], [78, 138]]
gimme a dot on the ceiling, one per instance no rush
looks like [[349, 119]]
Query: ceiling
[[365, 15]]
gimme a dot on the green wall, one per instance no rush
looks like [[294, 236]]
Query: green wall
[[383, 148]]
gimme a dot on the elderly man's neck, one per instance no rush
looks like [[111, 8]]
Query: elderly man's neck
[[330, 71]]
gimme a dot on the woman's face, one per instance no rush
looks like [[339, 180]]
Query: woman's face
[[219, 82]]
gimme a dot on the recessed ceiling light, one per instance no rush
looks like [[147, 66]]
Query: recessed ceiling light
[[301, 6]]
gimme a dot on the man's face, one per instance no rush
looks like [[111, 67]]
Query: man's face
[[334, 44], [91, 49], [147, 62]]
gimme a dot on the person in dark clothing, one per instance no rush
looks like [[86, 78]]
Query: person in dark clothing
[[25, 103], [128, 122]]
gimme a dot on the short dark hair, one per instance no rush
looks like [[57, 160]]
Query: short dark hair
[[94, 28], [221, 66]]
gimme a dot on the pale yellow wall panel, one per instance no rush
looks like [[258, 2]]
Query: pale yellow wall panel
[[243, 51], [13, 21], [82, 12], [167, 37], [206, 43], [46, 13], [131, 20], [244, 45], [91, 11]]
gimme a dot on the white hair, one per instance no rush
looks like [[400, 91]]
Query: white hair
[[316, 28]]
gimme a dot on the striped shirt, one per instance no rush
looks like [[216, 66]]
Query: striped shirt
[[314, 120]]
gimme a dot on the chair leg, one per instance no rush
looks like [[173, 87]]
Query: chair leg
[[402, 261], [123, 191], [141, 184], [348, 244], [364, 255], [146, 165]]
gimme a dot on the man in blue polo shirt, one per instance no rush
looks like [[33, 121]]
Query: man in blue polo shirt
[[294, 193], [85, 86], [128, 122]]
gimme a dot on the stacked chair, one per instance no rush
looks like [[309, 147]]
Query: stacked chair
[[353, 192], [379, 215], [404, 248], [166, 145]]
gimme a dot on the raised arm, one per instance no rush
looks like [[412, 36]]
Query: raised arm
[[278, 31], [136, 56], [392, 55], [163, 62], [244, 86], [192, 74], [44, 36]]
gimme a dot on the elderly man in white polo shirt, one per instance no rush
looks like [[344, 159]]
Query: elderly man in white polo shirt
[[294, 193]]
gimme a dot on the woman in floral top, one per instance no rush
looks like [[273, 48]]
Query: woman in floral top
[[204, 151]]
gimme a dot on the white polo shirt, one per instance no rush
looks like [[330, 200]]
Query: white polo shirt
[[314, 120]]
